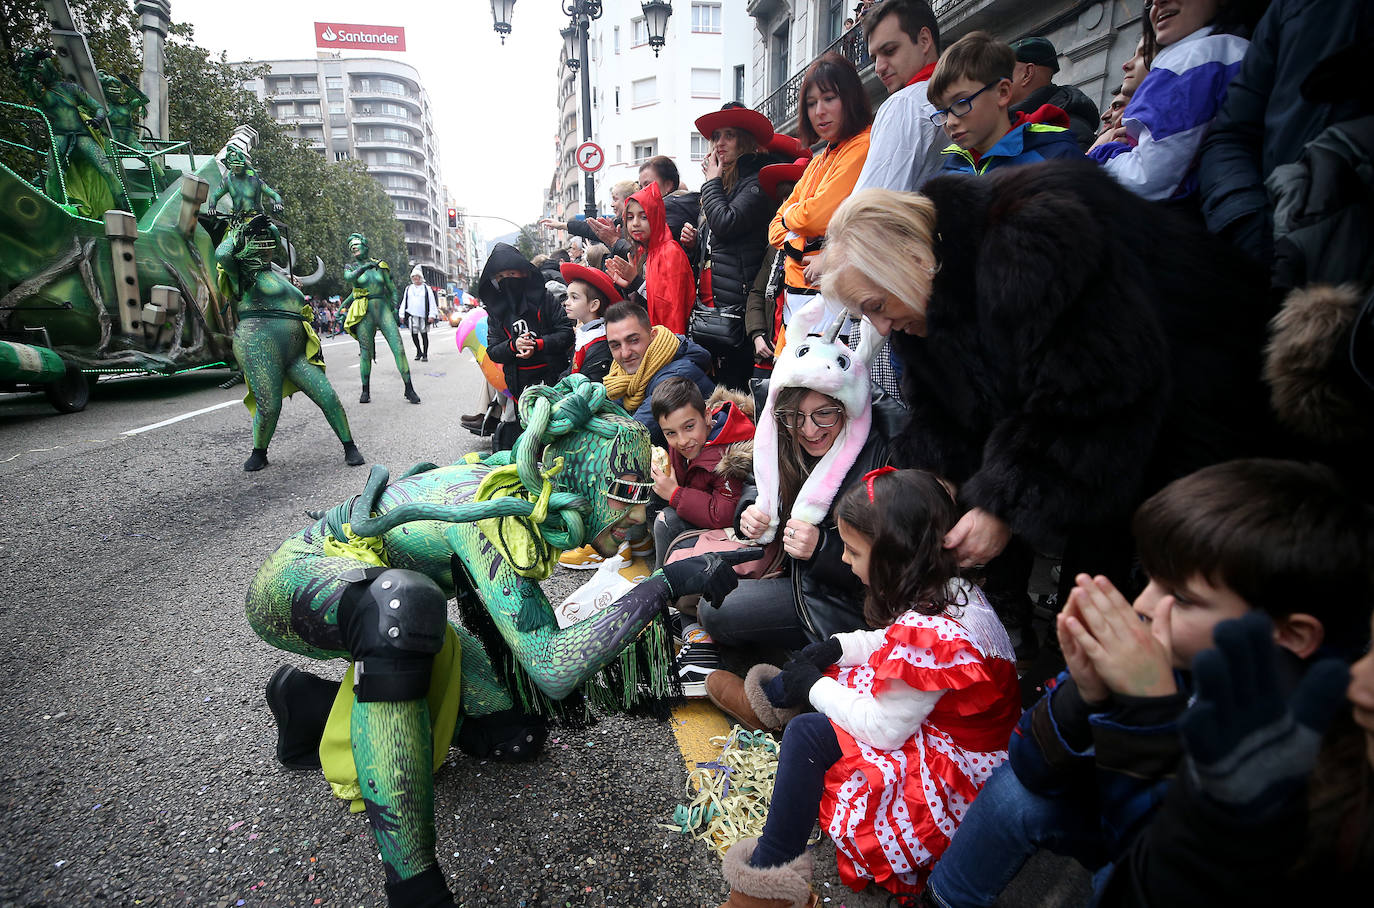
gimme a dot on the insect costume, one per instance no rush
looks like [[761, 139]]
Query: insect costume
[[275, 344], [370, 579], [371, 308]]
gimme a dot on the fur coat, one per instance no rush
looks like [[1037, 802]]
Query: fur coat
[[1084, 346]]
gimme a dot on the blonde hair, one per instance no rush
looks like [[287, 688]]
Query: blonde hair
[[886, 236], [624, 189], [595, 254]]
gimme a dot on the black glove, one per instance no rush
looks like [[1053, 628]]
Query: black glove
[[711, 576], [1247, 745], [823, 654], [797, 678]]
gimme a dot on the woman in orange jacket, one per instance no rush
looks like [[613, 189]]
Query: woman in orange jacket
[[835, 110]]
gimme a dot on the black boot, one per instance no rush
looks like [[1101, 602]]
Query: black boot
[[366, 396], [410, 392], [301, 703], [352, 456], [424, 890], [510, 736], [256, 461]]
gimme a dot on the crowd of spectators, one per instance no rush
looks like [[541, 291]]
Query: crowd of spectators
[[1138, 344]]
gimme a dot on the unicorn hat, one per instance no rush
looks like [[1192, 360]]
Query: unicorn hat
[[815, 360]]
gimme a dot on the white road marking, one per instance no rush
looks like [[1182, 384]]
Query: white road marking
[[168, 422]]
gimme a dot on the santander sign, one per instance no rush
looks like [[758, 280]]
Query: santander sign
[[360, 37]]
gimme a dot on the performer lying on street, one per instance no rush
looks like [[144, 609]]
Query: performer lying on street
[[369, 581]]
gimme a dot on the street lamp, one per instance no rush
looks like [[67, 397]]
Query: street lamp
[[570, 45], [501, 11], [656, 13], [582, 13]]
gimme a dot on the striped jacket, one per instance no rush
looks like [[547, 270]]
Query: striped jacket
[[1170, 115]]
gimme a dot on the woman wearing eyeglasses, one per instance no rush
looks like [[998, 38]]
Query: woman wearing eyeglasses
[[818, 433]]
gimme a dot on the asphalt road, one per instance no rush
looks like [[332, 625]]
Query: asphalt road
[[137, 751]]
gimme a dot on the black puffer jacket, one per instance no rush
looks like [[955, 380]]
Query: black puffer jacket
[[828, 597], [535, 310], [1083, 113], [735, 230]]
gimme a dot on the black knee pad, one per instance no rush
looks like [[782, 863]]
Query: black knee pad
[[393, 623]]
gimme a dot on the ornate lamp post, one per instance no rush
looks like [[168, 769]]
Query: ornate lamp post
[[581, 13]]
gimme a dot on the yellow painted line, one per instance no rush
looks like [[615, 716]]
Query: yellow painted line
[[695, 723]]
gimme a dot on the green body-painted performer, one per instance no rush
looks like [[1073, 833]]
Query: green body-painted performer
[[75, 118], [578, 473], [371, 308], [275, 343], [125, 106], [249, 197]]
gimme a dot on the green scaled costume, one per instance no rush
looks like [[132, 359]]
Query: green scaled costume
[[370, 580], [248, 197], [275, 343], [372, 308], [76, 119], [125, 106]]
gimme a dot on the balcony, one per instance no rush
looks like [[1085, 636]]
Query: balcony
[[382, 167], [401, 191], [363, 142], [781, 107], [298, 119], [361, 115], [385, 95]]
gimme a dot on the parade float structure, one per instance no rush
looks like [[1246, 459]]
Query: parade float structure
[[105, 269]]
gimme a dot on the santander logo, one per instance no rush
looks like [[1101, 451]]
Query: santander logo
[[361, 37]]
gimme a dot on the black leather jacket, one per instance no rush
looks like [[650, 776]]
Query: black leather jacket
[[735, 226]]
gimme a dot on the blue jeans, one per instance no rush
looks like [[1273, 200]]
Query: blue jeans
[[1005, 825], [757, 613], [809, 748]]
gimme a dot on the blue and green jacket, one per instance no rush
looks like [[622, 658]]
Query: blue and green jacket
[[1037, 136]]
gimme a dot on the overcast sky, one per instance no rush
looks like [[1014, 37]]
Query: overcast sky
[[493, 105]]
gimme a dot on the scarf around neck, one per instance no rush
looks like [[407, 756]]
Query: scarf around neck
[[631, 390]]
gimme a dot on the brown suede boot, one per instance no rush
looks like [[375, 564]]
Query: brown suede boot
[[788, 886], [743, 699]]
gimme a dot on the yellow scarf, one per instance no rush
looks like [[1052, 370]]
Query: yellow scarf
[[630, 389]]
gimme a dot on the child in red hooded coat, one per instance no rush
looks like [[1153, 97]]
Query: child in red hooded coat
[[669, 287]]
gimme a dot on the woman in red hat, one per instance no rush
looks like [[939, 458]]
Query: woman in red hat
[[733, 231], [835, 110], [590, 294]]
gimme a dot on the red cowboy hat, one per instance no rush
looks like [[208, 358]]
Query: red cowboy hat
[[788, 146], [773, 174], [598, 279], [740, 118]]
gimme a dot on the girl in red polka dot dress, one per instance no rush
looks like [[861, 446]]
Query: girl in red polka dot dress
[[911, 718]]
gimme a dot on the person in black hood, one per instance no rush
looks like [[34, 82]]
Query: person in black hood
[[528, 332], [733, 231]]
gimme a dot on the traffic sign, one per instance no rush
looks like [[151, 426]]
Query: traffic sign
[[590, 157]]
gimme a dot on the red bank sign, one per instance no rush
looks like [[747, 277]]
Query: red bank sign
[[360, 37]]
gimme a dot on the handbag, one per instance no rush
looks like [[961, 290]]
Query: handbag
[[718, 330]]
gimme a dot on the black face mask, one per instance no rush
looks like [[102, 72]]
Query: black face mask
[[513, 288]]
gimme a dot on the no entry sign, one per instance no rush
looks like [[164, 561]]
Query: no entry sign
[[590, 157]]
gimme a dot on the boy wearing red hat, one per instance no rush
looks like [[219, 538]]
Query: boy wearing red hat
[[590, 293]]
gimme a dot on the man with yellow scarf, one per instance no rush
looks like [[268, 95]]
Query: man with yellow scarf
[[645, 354]]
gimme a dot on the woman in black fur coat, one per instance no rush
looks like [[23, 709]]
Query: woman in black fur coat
[[1066, 348]]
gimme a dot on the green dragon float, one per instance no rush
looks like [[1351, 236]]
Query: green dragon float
[[369, 581], [106, 265]]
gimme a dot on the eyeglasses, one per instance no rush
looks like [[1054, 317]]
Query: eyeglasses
[[961, 107], [824, 418], [628, 491]]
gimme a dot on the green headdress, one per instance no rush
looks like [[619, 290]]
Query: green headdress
[[362, 242]]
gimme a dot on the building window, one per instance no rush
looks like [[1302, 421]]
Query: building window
[[310, 110], [644, 91], [639, 32], [617, 99], [619, 154], [645, 149], [832, 25], [705, 83], [333, 82], [701, 146], [309, 86], [706, 18], [739, 83], [336, 107], [341, 155], [340, 133], [615, 34], [780, 61]]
